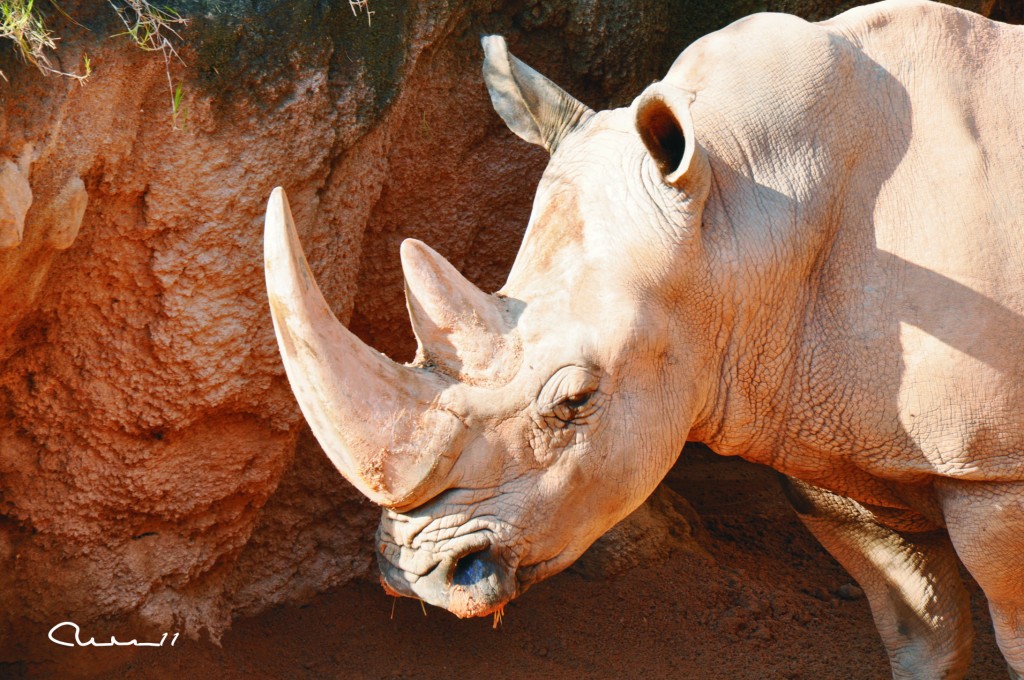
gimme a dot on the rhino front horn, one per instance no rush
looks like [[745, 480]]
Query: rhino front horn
[[383, 425]]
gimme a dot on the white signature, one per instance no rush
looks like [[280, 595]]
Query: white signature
[[114, 642]]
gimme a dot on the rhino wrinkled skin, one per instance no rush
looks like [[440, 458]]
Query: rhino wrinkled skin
[[804, 246]]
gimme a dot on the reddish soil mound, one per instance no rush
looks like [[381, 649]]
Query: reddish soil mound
[[768, 606]]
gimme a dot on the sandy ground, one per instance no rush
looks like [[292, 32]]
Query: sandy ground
[[767, 607]]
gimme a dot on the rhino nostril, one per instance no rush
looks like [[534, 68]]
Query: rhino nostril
[[472, 568]]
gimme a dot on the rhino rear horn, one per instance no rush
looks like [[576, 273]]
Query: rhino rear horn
[[532, 106], [458, 327], [386, 427]]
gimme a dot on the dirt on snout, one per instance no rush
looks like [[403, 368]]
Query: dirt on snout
[[769, 603]]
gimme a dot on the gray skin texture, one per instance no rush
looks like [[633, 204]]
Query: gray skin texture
[[802, 247]]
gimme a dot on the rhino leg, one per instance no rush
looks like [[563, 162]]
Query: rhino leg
[[986, 523], [911, 581]]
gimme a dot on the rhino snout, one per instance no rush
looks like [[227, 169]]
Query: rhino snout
[[476, 582]]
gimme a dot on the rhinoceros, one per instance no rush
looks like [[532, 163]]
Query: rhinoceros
[[804, 246]]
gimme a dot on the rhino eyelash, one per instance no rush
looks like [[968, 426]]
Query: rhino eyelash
[[576, 401]]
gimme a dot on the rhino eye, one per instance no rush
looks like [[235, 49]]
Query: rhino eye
[[572, 406], [568, 395], [577, 401]]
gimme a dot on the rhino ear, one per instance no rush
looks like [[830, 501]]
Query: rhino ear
[[666, 127], [532, 106], [458, 327]]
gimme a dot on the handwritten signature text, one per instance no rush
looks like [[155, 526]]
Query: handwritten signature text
[[91, 642]]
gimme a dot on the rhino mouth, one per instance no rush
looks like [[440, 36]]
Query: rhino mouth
[[476, 578]]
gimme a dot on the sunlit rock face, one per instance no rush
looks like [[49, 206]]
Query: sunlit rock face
[[153, 465]]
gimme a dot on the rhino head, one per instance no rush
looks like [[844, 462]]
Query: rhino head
[[534, 419]]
